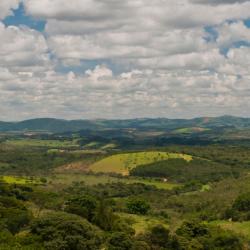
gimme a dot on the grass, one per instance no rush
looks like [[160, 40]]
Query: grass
[[190, 130], [141, 223], [123, 163], [78, 152], [242, 228], [109, 146], [157, 184], [43, 143], [20, 180], [205, 188], [92, 145], [68, 179]]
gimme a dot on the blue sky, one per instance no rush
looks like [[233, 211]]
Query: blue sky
[[19, 17]]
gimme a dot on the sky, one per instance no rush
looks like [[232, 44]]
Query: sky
[[116, 59]]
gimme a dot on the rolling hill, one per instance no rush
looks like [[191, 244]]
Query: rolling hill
[[59, 125]]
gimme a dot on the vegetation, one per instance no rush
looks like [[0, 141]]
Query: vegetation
[[139, 185], [123, 163], [182, 171]]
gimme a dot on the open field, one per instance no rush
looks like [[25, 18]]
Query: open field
[[123, 163], [242, 228], [68, 179], [190, 130], [42, 143], [141, 223], [20, 180]]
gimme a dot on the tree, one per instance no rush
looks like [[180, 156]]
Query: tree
[[192, 229], [66, 231], [242, 203], [159, 236], [120, 241], [104, 216], [84, 206], [138, 206]]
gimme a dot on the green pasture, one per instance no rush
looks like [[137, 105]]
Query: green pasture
[[190, 130], [20, 180], [42, 143], [123, 163], [242, 228], [68, 179], [142, 223]]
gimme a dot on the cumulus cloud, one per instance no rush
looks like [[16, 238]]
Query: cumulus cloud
[[134, 58], [22, 47], [230, 33], [6, 7]]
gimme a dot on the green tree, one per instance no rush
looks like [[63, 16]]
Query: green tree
[[104, 216], [138, 206], [67, 232], [242, 203], [120, 241], [84, 206]]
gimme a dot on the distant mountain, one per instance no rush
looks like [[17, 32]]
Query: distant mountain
[[59, 125]]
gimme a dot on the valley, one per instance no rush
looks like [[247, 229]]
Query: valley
[[127, 184]]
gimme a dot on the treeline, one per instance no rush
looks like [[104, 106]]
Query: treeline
[[181, 171], [33, 160]]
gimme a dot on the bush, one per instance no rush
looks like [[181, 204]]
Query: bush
[[84, 206], [138, 206], [242, 203], [65, 231], [120, 241]]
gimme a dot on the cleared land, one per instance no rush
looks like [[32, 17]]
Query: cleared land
[[123, 163]]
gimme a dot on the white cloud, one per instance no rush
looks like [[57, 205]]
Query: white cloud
[[6, 7], [22, 47], [230, 33], [138, 57]]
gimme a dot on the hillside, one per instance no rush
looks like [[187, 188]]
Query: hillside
[[59, 125]]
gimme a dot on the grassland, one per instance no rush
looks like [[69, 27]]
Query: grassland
[[190, 130], [242, 228], [142, 223], [68, 179], [43, 143], [20, 180], [123, 163]]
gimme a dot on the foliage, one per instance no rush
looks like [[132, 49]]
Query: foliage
[[84, 206], [13, 214], [242, 203], [123, 163], [138, 206], [65, 231], [181, 171]]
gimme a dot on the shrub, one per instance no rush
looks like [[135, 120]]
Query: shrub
[[242, 203], [138, 206], [65, 231]]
